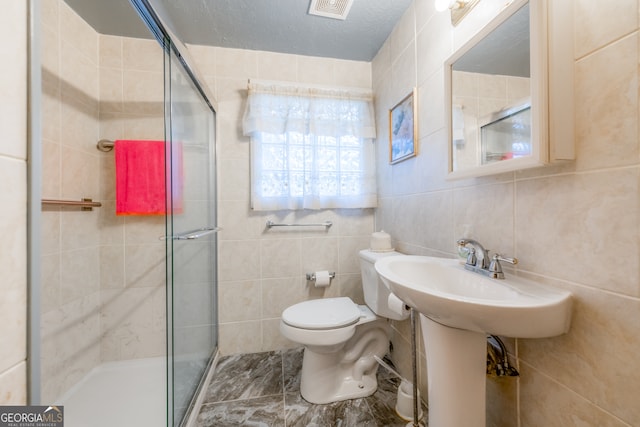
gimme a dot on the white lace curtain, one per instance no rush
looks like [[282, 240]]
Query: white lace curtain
[[311, 148]]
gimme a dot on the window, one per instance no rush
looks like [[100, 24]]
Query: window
[[310, 148]]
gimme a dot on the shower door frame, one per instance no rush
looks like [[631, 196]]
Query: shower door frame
[[171, 44], [179, 403], [34, 197]]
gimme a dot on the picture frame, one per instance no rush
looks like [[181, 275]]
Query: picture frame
[[403, 129]]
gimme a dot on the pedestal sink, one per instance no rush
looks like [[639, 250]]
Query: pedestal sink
[[458, 309]]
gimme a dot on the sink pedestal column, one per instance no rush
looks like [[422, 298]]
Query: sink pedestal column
[[456, 370]]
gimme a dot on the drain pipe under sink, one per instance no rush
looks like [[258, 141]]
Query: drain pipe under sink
[[414, 368]]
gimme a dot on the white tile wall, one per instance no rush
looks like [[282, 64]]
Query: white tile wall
[[13, 218], [132, 259], [262, 271]]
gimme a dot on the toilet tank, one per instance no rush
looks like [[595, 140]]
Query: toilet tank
[[375, 292]]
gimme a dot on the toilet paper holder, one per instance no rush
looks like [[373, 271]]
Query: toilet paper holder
[[311, 277]]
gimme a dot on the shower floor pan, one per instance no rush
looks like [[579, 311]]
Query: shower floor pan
[[129, 393]]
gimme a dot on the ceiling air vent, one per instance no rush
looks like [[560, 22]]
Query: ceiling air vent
[[336, 9]]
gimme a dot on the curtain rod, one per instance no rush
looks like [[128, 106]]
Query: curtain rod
[[364, 91]]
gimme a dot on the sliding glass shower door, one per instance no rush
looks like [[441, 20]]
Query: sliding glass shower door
[[192, 332]]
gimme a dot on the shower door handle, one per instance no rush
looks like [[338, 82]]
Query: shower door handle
[[193, 234]]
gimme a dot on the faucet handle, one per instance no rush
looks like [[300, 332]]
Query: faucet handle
[[496, 269], [472, 259], [498, 257]]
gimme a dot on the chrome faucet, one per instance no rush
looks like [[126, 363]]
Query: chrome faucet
[[472, 257], [491, 268]]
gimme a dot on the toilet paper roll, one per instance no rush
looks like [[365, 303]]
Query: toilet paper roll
[[322, 279], [380, 242], [397, 306]]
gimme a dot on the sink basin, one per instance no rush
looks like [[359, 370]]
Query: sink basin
[[444, 291], [458, 308]]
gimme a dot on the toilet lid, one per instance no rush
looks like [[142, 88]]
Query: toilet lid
[[325, 313]]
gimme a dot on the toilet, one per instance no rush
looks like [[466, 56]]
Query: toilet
[[341, 338]]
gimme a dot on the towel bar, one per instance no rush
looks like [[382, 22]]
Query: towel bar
[[106, 145], [85, 204], [326, 224]]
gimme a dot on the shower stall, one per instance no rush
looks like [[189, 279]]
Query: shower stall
[[123, 308]]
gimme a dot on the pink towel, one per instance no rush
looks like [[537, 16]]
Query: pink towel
[[141, 179]]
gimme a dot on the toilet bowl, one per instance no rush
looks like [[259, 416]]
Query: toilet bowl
[[341, 338]]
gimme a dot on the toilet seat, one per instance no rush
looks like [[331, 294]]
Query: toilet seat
[[322, 314]]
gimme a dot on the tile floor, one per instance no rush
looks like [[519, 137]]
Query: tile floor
[[263, 389]]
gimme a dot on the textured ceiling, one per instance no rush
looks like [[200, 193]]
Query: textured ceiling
[[271, 25]]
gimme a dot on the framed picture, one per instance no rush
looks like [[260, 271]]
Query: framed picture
[[403, 129]]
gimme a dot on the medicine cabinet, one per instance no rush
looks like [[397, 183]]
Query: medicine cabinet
[[509, 92]]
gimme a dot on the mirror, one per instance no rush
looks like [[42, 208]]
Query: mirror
[[498, 93]]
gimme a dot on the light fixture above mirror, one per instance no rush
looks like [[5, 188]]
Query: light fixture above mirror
[[458, 8]]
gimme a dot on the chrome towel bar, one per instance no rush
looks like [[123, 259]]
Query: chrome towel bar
[[106, 145], [326, 224], [84, 204]]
